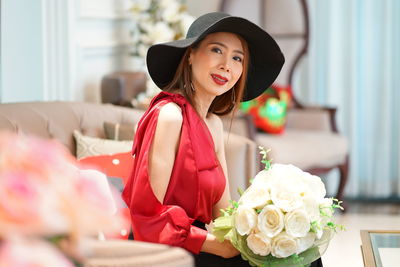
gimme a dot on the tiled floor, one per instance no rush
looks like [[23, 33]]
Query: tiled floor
[[344, 249]]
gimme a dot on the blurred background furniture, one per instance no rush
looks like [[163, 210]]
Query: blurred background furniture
[[121, 88], [311, 139], [119, 253], [59, 119]]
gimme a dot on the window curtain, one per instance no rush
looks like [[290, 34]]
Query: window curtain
[[353, 63]]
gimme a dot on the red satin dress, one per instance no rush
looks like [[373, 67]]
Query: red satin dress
[[196, 184]]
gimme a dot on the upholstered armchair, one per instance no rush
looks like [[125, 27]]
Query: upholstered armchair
[[310, 141]]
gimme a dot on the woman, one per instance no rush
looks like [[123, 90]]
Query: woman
[[179, 182]]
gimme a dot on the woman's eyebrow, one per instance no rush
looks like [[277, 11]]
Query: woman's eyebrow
[[224, 45]]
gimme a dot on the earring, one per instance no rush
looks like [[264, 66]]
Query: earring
[[191, 86]]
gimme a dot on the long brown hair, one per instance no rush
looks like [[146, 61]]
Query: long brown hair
[[222, 104]]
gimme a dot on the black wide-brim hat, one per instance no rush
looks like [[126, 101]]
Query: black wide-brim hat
[[266, 58]]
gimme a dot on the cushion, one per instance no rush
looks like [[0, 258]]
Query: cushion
[[114, 165], [305, 149], [92, 146], [117, 131], [269, 109]]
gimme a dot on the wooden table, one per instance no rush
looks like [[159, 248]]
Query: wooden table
[[380, 248]]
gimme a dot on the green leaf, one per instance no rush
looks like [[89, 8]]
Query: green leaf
[[240, 191], [222, 227], [264, 160]]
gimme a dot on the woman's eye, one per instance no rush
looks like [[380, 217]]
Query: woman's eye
[[216, 50], [239, 59]]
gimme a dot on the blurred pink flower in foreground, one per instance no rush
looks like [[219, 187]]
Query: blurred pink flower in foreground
[[31, 253], [43, 194]]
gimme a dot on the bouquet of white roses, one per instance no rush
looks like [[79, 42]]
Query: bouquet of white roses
[[282, 219]]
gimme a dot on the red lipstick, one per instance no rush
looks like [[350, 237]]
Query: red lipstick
[[218, 79]]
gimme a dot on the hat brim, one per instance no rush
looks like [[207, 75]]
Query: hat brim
[[266, 58]]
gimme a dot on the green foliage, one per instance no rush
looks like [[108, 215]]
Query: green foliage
[[240, 191], [230, 210], [327, 212], [264, 159]]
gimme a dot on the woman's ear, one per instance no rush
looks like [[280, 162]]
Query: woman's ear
[[190, 57]]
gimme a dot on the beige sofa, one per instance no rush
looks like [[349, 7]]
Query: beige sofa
[[58, 120]]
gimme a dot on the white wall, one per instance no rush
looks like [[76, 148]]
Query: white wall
[[199, 7], [102, 43], [21, 51], [60, 49]]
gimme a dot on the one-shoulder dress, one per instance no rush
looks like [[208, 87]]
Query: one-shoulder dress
[[196, 184]]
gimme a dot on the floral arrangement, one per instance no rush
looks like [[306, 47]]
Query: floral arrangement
[[158, 21], [282, 219], [47, 205]]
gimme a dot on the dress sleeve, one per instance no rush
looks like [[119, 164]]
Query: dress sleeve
[[151, 220]]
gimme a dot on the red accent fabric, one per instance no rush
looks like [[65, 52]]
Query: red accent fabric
[[118, 166], [115, 165], [196, 184]]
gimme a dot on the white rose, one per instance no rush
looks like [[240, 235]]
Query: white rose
[[245, 219], [171, 13], [286, 171], [161, 33], [270, 220], [259, 243], [297, 223], [286, 196], [139, 6], [165, 3], [261, 178], [283, 245], [142, 50], [186, 21], [304, 243], [255, 197], [314, 187], [311, 207], [143, 19]]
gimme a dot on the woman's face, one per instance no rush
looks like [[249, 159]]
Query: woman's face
[[217, 63]]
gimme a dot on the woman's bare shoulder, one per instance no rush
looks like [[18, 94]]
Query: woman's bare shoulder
[[170, 113]]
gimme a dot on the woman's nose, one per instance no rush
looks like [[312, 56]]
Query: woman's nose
[[224, 64]]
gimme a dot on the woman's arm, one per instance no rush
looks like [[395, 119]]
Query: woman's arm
[[164, 148], [223, 203], [212, 245]]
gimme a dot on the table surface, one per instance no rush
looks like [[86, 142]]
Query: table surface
[[380, 248]]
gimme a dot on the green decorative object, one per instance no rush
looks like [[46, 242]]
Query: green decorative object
[[269, 110]]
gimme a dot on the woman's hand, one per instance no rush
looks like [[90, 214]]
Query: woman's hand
[[224, 249], [228, 250]]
